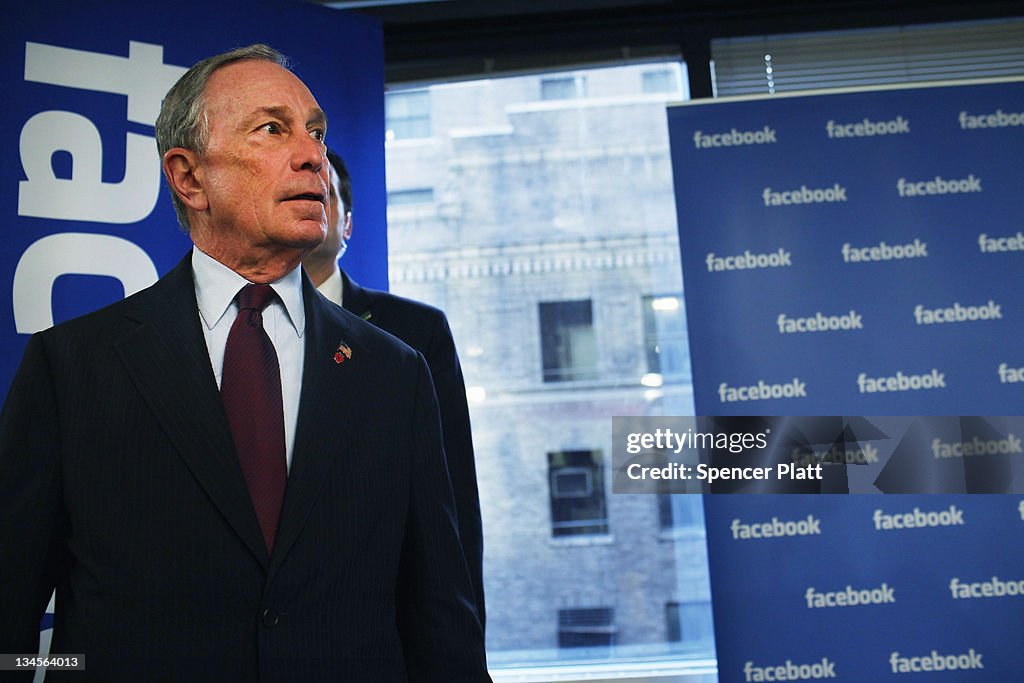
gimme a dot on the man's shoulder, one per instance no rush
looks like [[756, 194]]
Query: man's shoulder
[[394, 313], [406, 307], [357, 330], [125, 313]]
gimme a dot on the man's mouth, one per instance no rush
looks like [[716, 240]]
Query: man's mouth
[[307, 196]]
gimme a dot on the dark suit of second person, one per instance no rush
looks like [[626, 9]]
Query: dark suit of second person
[[425, 329]]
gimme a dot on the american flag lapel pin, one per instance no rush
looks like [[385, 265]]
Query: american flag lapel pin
[[343, 353]]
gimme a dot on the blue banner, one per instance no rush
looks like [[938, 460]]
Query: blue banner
[[86, 216], [859, 253]]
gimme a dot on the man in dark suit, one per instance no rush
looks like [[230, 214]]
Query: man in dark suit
[[425, 329], [224, 476]]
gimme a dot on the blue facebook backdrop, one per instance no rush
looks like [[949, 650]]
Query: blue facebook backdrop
[[861, 253]]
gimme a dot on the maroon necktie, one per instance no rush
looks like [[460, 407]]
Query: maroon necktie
[[251, 391]]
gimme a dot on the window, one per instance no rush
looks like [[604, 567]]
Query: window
[[868, 57], [660, 81], [680, 511], [564, 88], [688, 622], [568, 349], [577, 493], [665, 336], [407, 114], [673, 629], [551, 221], [591, 627]]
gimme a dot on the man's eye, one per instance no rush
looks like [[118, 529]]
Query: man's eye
[[318, 134], [272, 128]]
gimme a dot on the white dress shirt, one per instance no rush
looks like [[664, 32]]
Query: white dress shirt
[[332, 287], [284, 319]]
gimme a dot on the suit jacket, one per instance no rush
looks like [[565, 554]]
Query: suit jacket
[[425, 329], [119, 485]]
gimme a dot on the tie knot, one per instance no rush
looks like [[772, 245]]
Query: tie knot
[[255, 297]]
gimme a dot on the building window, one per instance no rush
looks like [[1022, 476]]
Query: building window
[[408, 114], [660, 81], [688, 622], [423, 195], [568, 347], [673, 629], [578, 503], [563, 88], [590, 627], [665, 340], [518, 183], [680, 511]]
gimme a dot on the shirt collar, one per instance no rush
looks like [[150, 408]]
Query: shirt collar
[[217, 285], [332, 287]]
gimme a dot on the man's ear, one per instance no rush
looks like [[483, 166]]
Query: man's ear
[[180, 169], [346, 231]]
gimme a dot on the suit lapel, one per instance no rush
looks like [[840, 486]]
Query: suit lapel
[[356, 300], [167, 358], [325, 414]]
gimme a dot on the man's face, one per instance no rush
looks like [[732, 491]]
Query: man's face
[[264, 170], [339, 223]]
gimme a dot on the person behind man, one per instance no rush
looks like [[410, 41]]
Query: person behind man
[[425, 329], [225, 476]]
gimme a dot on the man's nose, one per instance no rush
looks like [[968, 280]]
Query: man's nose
[[309, 154]]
